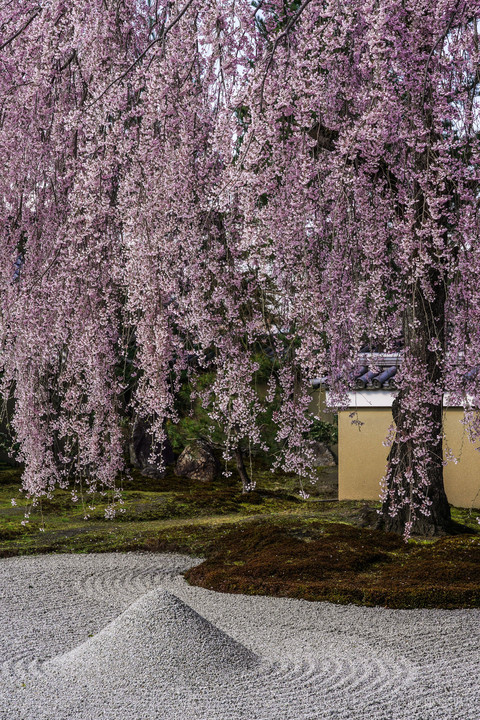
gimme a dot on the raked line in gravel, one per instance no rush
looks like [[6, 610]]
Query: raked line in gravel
[[123, 637]]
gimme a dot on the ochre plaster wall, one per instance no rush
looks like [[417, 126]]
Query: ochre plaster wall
[[362, 457], [318, 406], [462, 480]]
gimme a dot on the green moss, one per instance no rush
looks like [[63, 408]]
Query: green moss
[[10, 476], [268, 542], [10, 531]]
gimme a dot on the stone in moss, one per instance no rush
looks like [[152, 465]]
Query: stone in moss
[[197, 462]]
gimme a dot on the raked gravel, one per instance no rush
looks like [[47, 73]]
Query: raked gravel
[[123, 637]]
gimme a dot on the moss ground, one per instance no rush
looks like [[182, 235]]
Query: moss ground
[[270, 542]]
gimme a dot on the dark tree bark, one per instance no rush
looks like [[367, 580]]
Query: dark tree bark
[[438, 521], [425, 344], [242, 470], [424, 322]]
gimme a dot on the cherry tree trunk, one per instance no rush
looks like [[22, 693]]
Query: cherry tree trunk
[[242, 471], [415, 465]]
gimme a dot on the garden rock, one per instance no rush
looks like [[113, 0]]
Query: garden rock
[[197, 462], [141, 450], [368, 517], [323, 456]]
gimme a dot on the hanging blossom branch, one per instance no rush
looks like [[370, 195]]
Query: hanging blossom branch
[[162, 35], [20, 30], [170, 251], [440, 40], [293, 20]]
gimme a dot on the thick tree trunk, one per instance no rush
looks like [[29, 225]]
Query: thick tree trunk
[[242, 471], [438, 520], [424, 323]]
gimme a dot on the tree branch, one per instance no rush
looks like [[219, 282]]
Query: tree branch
[[259, 7], [439, 40], [19, 32], [161, 37], [324, 137], [289, 26]]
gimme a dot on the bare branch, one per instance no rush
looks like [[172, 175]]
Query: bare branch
[[259, 7]]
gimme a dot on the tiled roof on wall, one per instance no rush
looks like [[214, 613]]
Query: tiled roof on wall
[[376, 371]]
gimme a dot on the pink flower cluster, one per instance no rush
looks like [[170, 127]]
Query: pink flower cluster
[[185, 183]]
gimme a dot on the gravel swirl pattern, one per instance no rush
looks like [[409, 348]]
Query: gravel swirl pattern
[[123, 637]]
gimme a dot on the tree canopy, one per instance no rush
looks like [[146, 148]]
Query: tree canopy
[[187, 183]]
